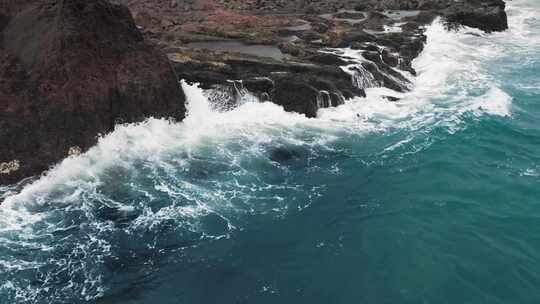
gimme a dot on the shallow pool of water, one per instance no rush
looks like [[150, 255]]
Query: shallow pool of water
[[260, 50]]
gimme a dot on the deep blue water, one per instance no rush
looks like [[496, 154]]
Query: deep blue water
[[432, 199]]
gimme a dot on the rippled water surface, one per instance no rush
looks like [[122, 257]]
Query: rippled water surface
[[431, 199]]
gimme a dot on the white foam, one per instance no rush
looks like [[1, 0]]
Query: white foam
[[494, 102], [452, 80], [450, 67]]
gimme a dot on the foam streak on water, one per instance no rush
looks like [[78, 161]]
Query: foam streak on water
[[149, 195]]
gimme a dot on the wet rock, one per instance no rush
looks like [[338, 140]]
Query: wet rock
[[120, 217], [356, 37], [282, 154], [361, 7], [389, 58], [320, 27], [376, 21], [326, 59], [4, 19], [324, 100], [387, 78], [422, 18], [291, 49], [296, 96], [337, 99], [310, 35], [373, 56], [296, 86], [349, 15], [259, 84], [69, 69], [265, 97], [55, 94], [307, 93], [487, 18], [391, 98], [301, 29]]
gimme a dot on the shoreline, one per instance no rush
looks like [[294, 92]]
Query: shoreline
[[128, 70]]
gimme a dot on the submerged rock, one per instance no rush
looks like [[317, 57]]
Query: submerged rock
[[282, 154], [69, 70]]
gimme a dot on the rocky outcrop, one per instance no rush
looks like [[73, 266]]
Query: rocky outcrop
[[322, 85], [389, 34], [488, 16], [69, 71]]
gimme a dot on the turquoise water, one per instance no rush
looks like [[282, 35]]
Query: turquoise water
[[432, 199]]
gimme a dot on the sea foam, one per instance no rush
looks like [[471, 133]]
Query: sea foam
[[173, 166], [451, 81]]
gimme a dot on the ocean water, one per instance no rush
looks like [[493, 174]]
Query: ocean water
[[434, 198]]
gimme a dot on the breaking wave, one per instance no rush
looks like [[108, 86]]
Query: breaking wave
[[109, 219]]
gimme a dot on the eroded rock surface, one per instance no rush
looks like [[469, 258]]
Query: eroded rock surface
[[69, 71], [388, 34]]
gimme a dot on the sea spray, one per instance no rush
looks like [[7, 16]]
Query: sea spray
[[160, 203]]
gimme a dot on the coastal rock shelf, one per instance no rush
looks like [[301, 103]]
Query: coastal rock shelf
[[288, 40], [72, 69]]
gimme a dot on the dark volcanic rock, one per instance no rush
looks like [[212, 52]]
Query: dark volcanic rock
[[296, 95], [306, 94], [389, 58], [298, 87], [282, 154], [326, 59], [389, 38], [12, 7], [70, 70], [487, 17], [4, 19], [350, 15], [259, 84], [355, 37]]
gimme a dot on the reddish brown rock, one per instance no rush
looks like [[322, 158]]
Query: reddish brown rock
[[70, 70]]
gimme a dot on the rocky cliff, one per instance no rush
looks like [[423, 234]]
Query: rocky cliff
[[69, 71]]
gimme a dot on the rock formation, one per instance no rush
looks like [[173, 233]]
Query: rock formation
[[69, 71], [388, 33]]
